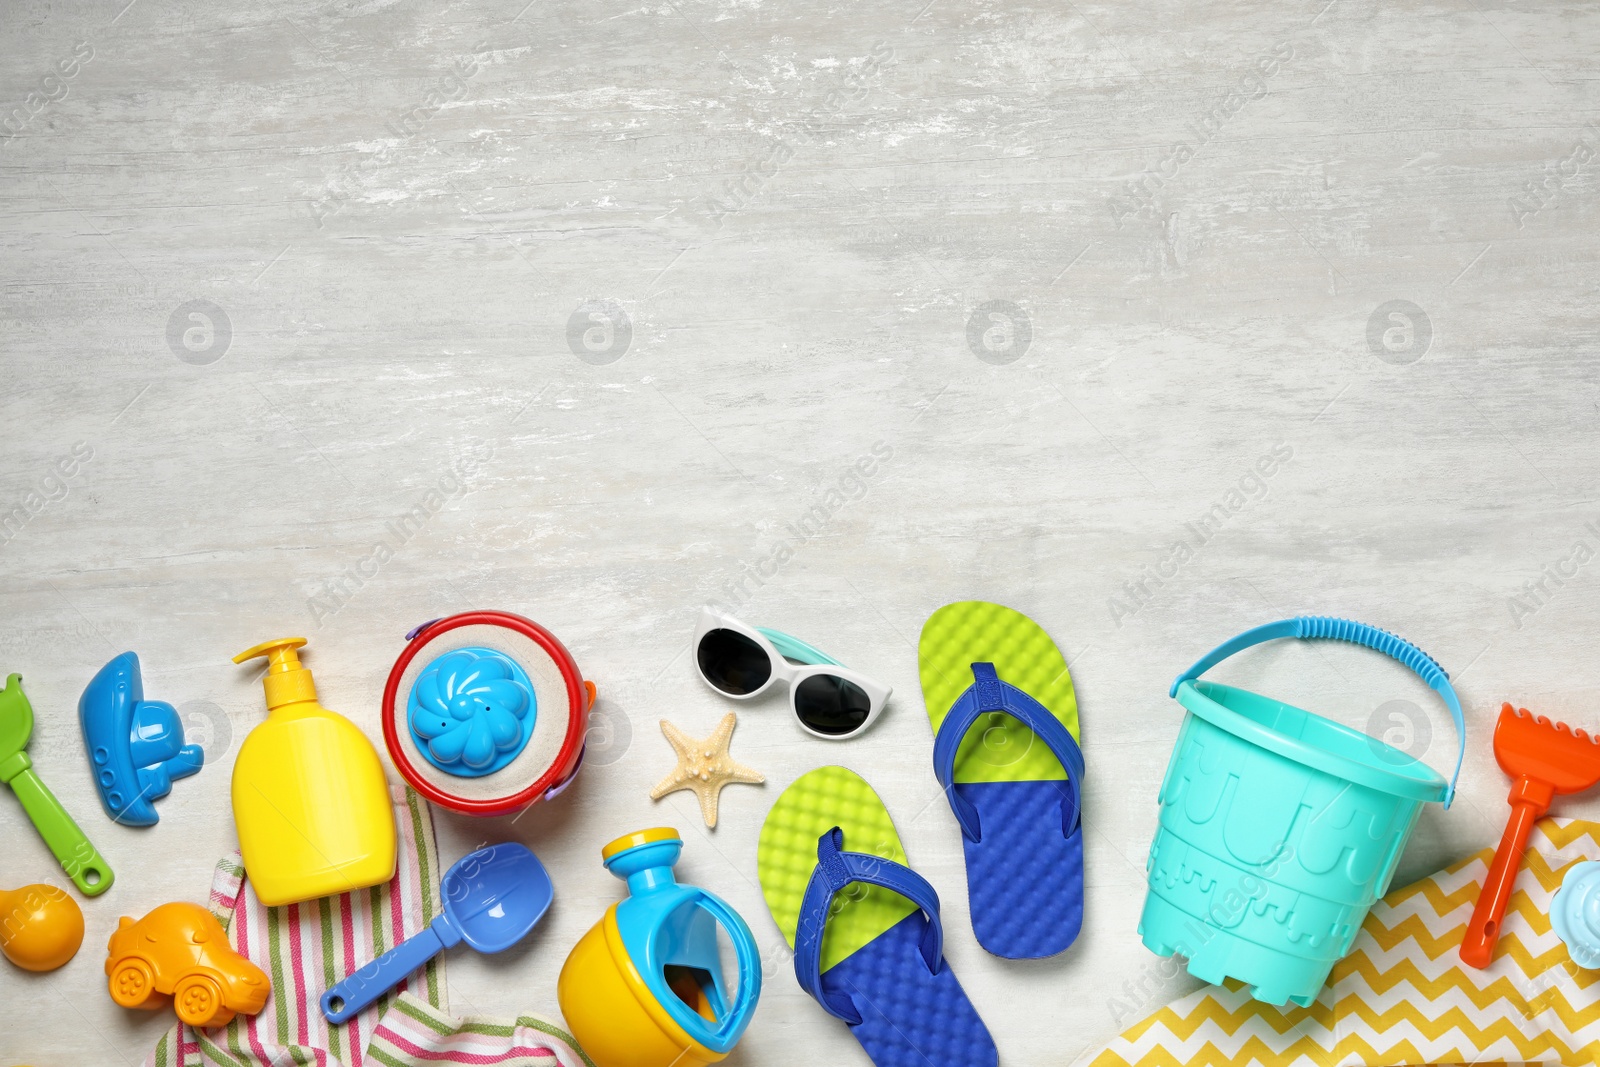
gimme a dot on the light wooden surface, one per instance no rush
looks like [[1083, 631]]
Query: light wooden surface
[[1076, 268]]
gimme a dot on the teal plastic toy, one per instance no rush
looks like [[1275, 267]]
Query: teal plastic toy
[[1575, 914], [1280, 828]]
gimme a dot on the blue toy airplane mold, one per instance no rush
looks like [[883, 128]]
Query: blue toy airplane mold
[[136, 748]]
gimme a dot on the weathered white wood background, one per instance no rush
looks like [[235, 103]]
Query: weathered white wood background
[[637, 284]]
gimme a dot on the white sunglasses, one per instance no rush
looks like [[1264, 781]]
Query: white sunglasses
[[830, 700]]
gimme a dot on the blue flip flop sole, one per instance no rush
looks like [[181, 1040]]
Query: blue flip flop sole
[[1024, 878], [910, 1018]]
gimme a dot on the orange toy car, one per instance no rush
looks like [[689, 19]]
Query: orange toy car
[[180, 953]]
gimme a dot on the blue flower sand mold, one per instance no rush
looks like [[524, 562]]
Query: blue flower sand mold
[[135, 746], [472, 711]]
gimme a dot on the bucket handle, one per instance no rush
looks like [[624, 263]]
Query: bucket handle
[[1322, 626]]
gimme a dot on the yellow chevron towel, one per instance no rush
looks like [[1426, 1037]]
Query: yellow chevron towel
[[1403, 998]]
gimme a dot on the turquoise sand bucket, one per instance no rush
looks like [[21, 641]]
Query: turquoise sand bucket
[[1279, 828]]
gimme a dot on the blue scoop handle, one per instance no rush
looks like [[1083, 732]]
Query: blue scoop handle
[[1359, 633], [342, 1002]]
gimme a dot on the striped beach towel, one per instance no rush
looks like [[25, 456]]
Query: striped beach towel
[[304, 948], [415, 1032], [1402, 997]]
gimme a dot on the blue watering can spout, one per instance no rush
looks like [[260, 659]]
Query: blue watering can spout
[[670, 932]]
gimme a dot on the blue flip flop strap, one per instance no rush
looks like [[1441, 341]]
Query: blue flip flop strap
[[986, 694], [835, 870]]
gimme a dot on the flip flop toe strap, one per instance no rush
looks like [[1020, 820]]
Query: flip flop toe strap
[[987, 694], [834, 871]]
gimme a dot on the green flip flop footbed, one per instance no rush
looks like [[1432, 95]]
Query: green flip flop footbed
[[787, 853], [998, 748]]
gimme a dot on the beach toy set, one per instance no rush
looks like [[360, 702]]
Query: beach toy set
[[1278, 831], [136, 750], [484, 713]]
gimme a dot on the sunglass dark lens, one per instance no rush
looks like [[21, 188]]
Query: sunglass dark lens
[[831, 705], [732, 662]]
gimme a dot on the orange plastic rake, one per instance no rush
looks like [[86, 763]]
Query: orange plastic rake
[[1547, 760]]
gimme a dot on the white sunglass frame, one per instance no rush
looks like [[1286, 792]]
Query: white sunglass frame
[[791, 674]]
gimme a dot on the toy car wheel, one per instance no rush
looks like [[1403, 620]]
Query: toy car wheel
[[132, 983], [198, 1000]]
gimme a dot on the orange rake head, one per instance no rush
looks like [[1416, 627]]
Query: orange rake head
[[1530, 746]]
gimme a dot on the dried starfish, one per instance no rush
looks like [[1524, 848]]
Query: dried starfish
[[704, 766]]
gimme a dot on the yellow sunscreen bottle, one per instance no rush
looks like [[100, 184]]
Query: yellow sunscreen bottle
[[309, 798]]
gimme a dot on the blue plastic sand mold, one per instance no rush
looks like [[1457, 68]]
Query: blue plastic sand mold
[[1575, 914], [471, 711], [135, 745]]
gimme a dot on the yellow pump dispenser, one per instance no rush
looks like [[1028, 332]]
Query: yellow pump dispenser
[[309, 797]]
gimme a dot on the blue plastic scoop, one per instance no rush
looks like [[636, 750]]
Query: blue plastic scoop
[[492, 898]]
